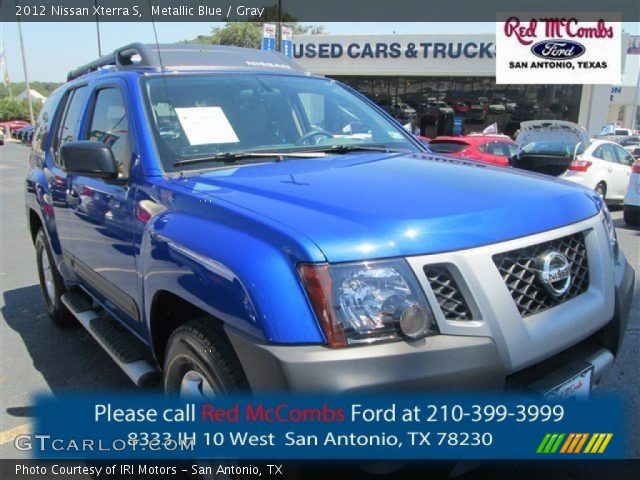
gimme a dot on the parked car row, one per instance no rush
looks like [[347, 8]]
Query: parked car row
[[25, 134], [13, 126], [18, 129], [561, 149]]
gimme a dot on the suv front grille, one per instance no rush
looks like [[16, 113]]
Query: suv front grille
[[518, 271], [447, 292]]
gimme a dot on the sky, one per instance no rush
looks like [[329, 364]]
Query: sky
[[53, 49]]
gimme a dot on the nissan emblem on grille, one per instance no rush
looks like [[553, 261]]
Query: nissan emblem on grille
[[520, 270], [554, 272]]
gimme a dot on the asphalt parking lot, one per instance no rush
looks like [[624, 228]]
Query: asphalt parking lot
[[36, 356]]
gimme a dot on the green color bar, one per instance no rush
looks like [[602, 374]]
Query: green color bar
[[547, 449], [557, 444], [543, 443]]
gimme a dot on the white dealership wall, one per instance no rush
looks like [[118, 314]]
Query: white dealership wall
[[599, 104]]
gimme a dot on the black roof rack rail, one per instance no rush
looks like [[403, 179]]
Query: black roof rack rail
[[186, 55]]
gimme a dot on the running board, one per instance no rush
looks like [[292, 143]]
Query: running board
[[122, 346]]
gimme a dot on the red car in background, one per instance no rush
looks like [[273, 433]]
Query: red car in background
[[462, 107], [495, 149], [13, 125]]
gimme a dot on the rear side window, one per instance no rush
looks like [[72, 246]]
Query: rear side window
[[608, 153], [110, 126], [44, 122], [447, 147], [597, 153], [493, 148], [68, 130], [511, 149]]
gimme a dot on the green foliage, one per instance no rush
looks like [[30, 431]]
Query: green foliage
[[12, 109], [45, 88], [248, 34]]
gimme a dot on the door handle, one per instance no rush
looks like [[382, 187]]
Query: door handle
[[609, 169]]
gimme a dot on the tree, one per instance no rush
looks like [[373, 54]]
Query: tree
[[248, 34], [44, 88], [13, 109]]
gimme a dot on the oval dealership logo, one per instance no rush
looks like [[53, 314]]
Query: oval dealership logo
[[558, 49]]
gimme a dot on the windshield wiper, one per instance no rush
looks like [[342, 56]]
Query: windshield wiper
[[232, 157], [356, 148]]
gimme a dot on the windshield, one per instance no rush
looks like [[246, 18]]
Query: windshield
[[207, 116]]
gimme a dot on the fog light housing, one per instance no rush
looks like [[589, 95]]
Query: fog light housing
[[415, 321]]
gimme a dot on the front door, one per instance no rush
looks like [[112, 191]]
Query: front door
[[72, 109], [102, 219]]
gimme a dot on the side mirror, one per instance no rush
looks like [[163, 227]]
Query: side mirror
[[90, 159]]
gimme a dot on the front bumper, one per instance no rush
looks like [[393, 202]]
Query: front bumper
[[441, 362]]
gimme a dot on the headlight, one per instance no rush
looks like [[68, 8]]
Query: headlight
[[611, 233], [367, 302]]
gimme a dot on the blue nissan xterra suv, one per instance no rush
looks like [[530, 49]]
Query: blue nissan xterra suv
[[220, 219]]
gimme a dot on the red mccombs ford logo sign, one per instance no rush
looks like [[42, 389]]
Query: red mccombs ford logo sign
[[558, 51]]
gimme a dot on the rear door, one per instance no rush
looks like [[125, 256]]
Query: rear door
[[494, 152], [103, 226], [625, 163], [610, 170]]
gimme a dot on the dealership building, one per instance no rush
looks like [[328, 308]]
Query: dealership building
[[427, 78]]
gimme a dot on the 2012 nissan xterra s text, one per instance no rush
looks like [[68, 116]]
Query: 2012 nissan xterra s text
[[219, 217]]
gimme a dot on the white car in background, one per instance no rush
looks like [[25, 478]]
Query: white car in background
[[564, 149], [631, 144], [497, 108], [605, 167], [632, 198]]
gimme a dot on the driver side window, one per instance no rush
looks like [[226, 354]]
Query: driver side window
[[110, 126]]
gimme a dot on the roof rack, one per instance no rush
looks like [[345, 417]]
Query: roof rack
[[186, 56]]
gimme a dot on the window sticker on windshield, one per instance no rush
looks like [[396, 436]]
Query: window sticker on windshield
[[395, 134], [205, 125]]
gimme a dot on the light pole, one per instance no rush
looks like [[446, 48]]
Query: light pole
[[634, 104], [26, 74], [95, 2], [279, 28]]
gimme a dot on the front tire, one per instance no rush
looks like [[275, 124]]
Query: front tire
[[631, 216], [51, 284], [200, 362]]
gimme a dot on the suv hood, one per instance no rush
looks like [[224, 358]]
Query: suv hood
[[376, 205]]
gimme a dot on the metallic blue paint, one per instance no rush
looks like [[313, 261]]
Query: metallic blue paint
[[374, 205], [229, 240]]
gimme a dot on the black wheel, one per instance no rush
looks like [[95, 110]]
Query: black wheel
[[631, 216], [51, 284], [200, 361], [601, 190]]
